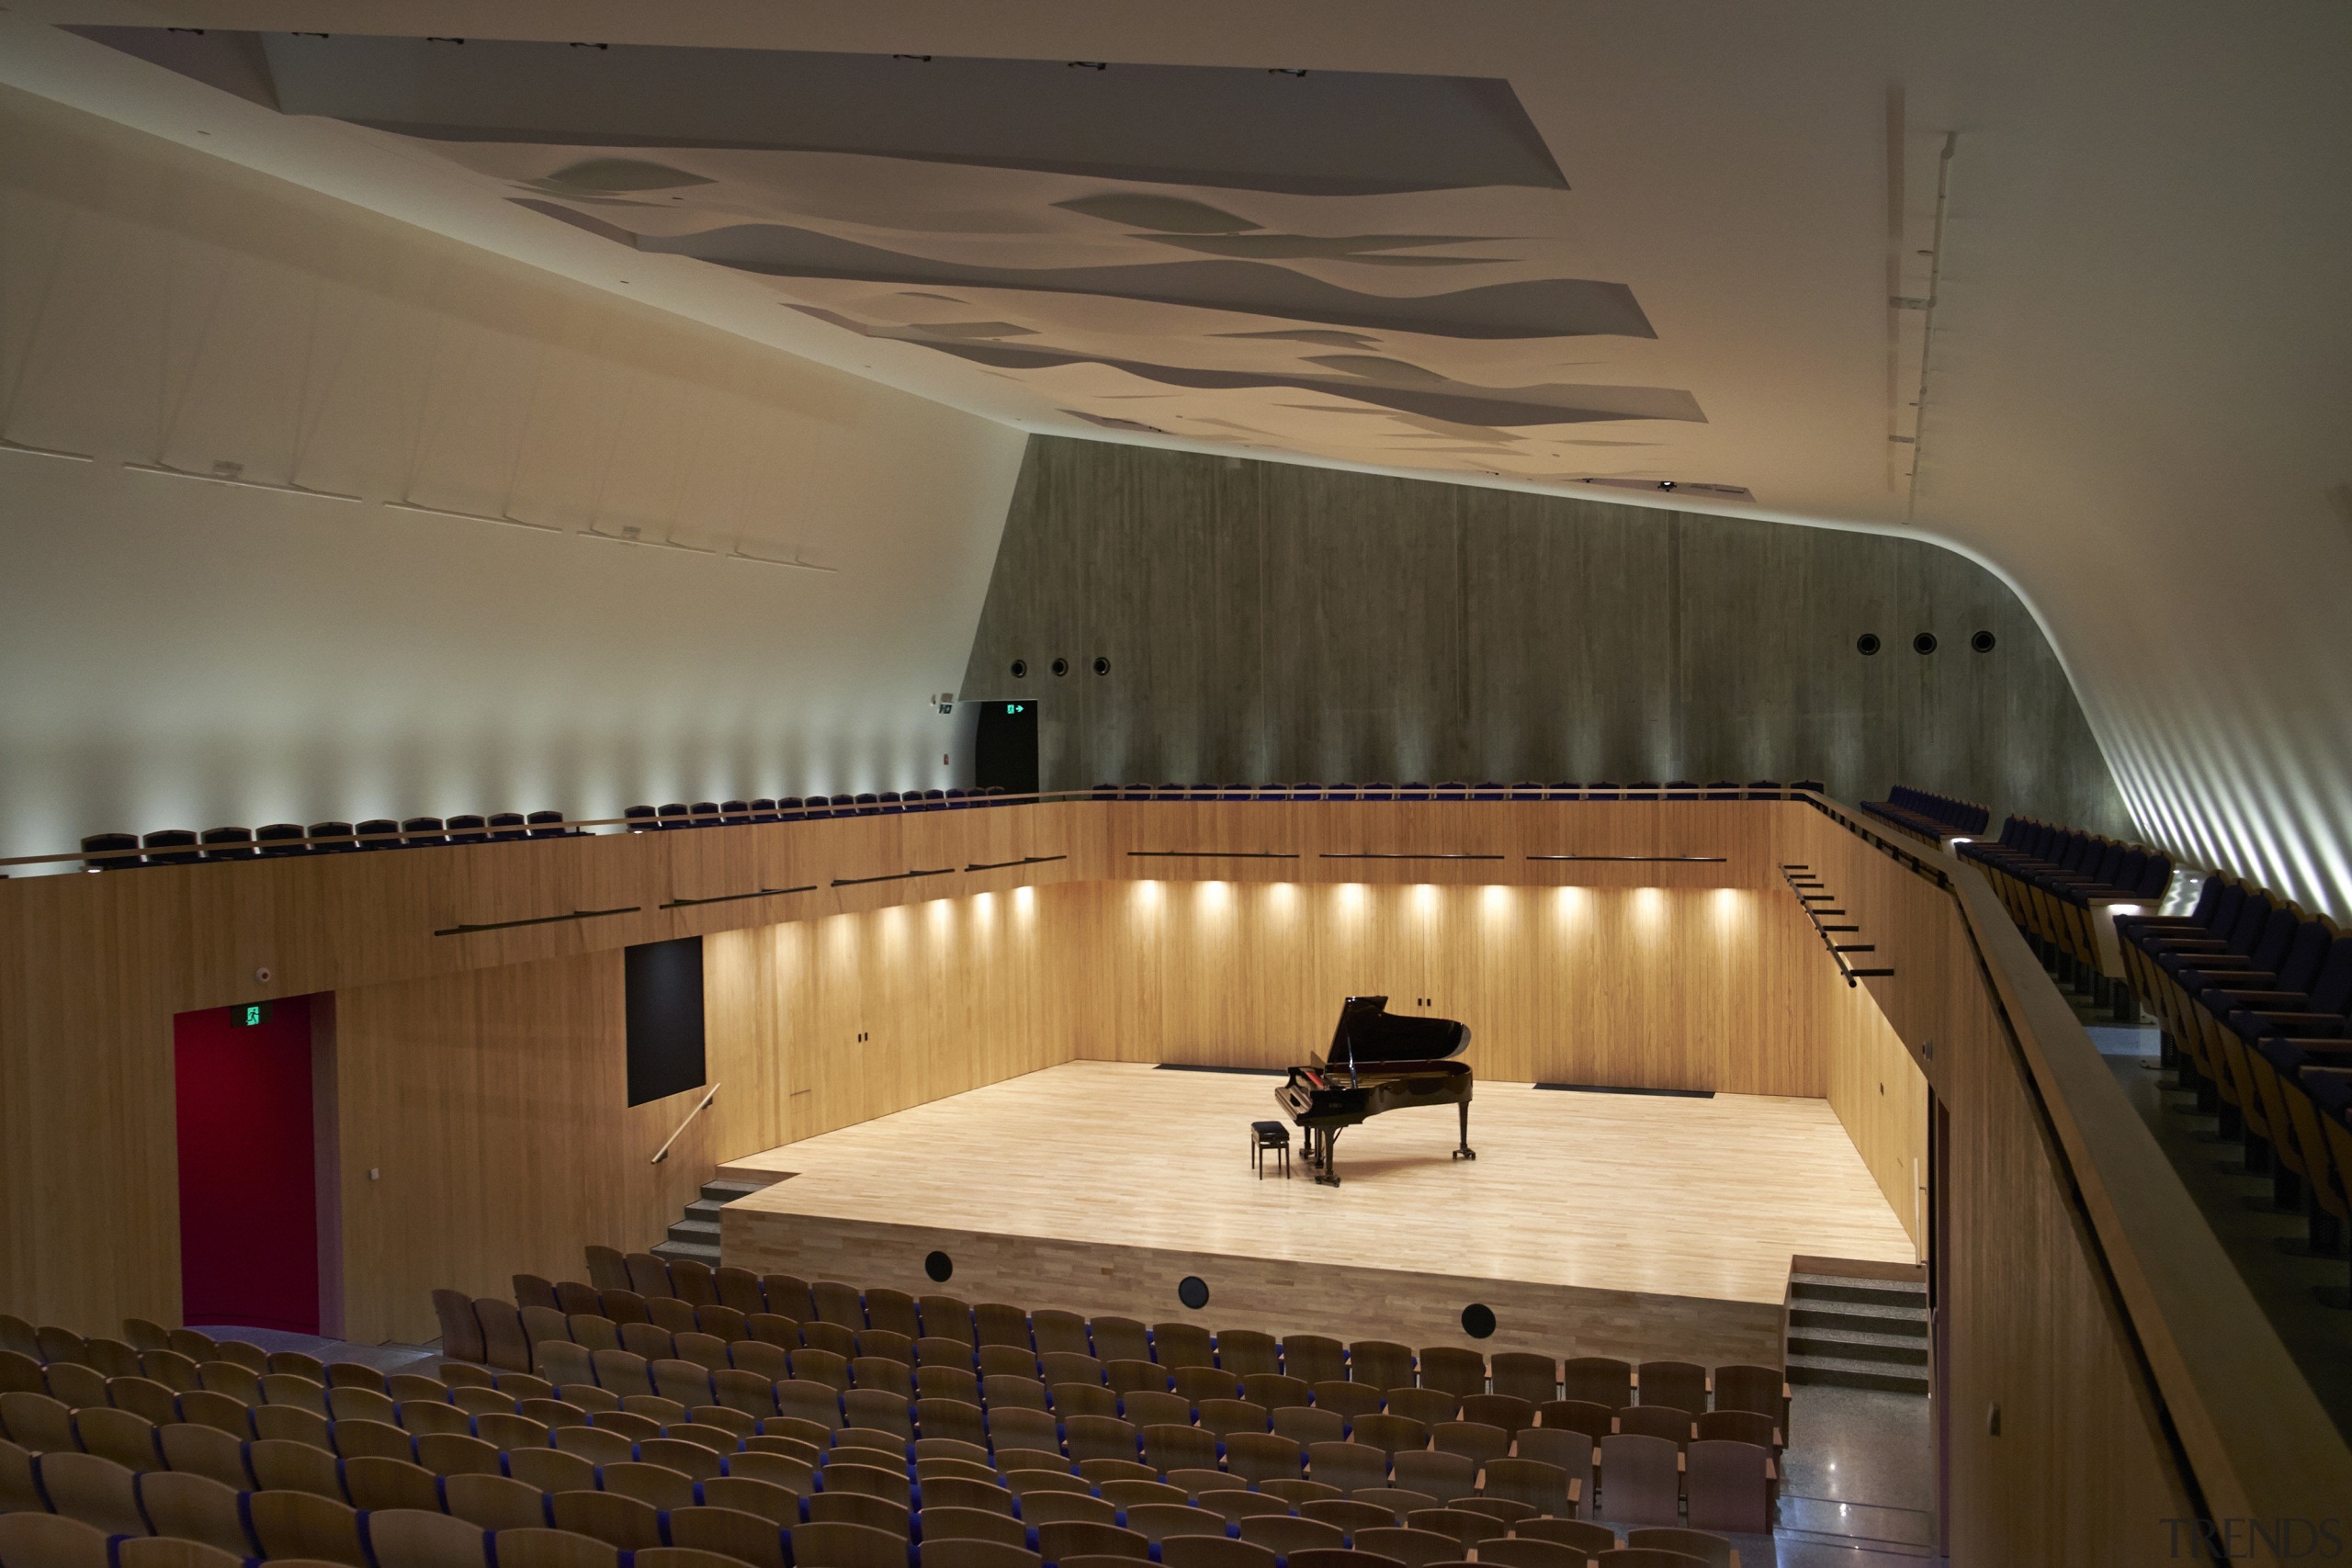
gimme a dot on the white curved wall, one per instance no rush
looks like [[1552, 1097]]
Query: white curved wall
[[181, 653], [2138, 401]]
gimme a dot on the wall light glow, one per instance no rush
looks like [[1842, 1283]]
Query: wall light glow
[[1214, 898], [1496, 901], [1283, 897], [1351, 896], [984, 910], [1025, 900], [1424, 898], [1147, 894]]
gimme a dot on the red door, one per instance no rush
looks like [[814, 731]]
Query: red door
[[249, 1223]]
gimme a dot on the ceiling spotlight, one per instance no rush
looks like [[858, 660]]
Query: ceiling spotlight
[[925, 58], [1090, 65], [1283, 71], [1666, 484]]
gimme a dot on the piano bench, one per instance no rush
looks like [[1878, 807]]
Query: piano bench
[[1269, 1138]]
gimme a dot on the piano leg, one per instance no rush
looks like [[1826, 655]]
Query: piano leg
[[1466, 1151], [1326, 1170]]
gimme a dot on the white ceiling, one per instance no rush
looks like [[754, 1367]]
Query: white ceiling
[[2137, 368]]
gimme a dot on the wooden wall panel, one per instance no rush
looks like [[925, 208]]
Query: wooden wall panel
[[494, 1104], [1271, 1294], [1880, 1098], [492, 1101], [1719, 988], [1269, 621]]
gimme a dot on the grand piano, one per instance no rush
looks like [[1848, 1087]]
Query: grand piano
[[1379, 1061]]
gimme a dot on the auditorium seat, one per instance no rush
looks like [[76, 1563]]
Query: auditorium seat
[[508, 827], [424, 832], [704, 814], [467, 829], [638, 819], [229, 843], [279, 840], [171, 846], [673, 814], [113, 845]]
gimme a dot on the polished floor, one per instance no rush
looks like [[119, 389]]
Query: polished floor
[[1663, 1195]]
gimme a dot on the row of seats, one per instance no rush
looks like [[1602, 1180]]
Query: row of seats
[[1931, 816], [962, 1334], [63, 1508], [2255, 997], [360, 1461], [2048, 877], [182, 846], [1677, 789], [793, 808]]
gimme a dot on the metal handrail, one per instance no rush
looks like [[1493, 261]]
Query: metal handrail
[[663, 1153]]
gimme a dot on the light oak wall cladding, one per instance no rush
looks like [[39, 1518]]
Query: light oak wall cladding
[[1268, 622], [494, 1101], [1723, 989], [1880, 1098]]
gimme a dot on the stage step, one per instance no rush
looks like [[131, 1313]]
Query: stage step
[[1857, 1332], [696, 1235]]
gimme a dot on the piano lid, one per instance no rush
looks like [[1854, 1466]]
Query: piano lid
[[1370, 1034]]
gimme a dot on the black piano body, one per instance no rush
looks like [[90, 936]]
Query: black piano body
[[1378, 1062]]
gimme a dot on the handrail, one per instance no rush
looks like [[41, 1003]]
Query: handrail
[[278, 849], [663, 1153]]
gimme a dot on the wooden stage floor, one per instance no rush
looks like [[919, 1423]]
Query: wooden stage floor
[[1590, 1223]]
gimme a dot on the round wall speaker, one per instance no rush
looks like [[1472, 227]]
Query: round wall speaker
[[1020, 669], [1924, 643], [1982, 642], [1478, 1320], [1060, 667], [1194, 1291], [1865, 644], [940, 1266], [1101, 665]]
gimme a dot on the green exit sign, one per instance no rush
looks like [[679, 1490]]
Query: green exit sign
[[249, 1016]]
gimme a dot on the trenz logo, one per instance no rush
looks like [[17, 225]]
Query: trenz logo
[[2285, 1538]]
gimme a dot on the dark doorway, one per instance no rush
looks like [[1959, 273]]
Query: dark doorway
[[249, 1222], [1004, 752]]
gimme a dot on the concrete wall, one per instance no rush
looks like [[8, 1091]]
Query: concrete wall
[[1270, 621]]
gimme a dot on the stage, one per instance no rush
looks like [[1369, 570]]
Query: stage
[[1634, 1226]]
